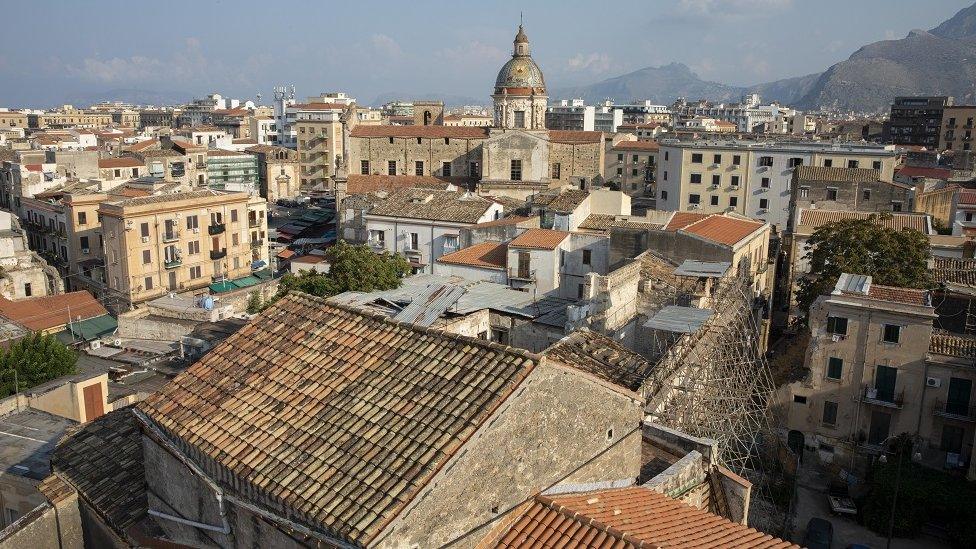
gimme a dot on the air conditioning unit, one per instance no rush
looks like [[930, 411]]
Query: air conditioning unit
[[695, 206], [196, 230], [145, 239], [85, 250], [836, 337], [96, 344], [117, 342], [735, 187], [933, 382]]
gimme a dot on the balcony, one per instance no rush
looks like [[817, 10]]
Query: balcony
[[871, 395], [526, 275], [254, 223], [377, 244], [412, 252], [955, 410], [216, 228], [172, 236], [173, 263], [218, 254]]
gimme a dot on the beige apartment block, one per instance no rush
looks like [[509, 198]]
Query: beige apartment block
[[958, 129], [632, 165], [12, 119], [180, 242], [319, 130]]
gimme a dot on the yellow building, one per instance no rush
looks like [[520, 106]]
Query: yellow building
[[181, 241], [320, 141]]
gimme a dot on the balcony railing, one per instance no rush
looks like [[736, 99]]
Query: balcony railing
[[216, 228], [955, 410], [377, 244], [173, 263], [218, 254], [514, 273], [254, 223], [872, 395], [257, 243], [172, 236]]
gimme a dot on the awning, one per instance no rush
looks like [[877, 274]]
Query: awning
[[263, 274], [92, 328], [258, 264], [220, 287], [246, 281]]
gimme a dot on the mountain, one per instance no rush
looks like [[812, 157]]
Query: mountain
[[659, 84], [134, 96], [941, 61], [448, 99]]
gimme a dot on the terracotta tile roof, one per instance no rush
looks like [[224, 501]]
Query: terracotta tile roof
[[508, 202], [643, 125], [575, 137], [602, 357], [427, 132], [909, 296], [681, 220], [338, 417], [723, 229], [840, 175], [310, 259], [143, 145], [120, 162], [947, 344], [487, 255], [285, 254], [224, 152], [967, 197], [812, 219], [623, 518], [168, 197], [544, 239], [951, 270], [431, 205], [362, 184], [598, 222], [46, 312], [103, 460], [641, 146], [568, 200], [511, 220], [921, 171]]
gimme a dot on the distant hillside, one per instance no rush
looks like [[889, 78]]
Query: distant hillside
[[134, 96], [659, 84], [448, 99]]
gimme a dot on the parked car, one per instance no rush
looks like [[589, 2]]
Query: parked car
[[820, 534]]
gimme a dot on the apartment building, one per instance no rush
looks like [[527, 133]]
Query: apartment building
[[69, 116], [917, 120], [12, 119], [752, 178], [232, 171], [181, 241], [957, 128], [576, 115], [632, 165], [319, 130], [850, 189], [876, 369], [121, 168]]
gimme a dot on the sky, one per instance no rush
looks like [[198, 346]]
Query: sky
[[71, 51]]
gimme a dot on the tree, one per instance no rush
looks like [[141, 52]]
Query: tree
[[36, 358], [863, 246], [254, 304], [351, 268]]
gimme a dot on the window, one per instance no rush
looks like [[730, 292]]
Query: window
[[519, 119], [84, 244], [579, 291], [828, 163], [714, 200], [694, 199], [665, 156], [447, 140], [587, 257], [418, 167], [450, 243], [696, 158], [193, 248], [835, 367], [117, 173], [414, 241], [664, 195], [866, 194], [852, 163], [28, 291], [364, 167], [831, 193], [764, 183], [736, 160], [516, 171], [195, 272], [794, 162], [620, 157], [633, 159], [377, 237], [766, 161], [717, 159], [830, 413], [391, 167], [735, 181], [556, 171], [82, 218], [146, 257], [446, 169], [144, 230], [716, 180], [499, 335], [633, 172], [799, 399], [620, 171], [235, 239], [895, 206], [733, 201], [665, 176], [148, 283], [837, 325], [763, 204], [696, 178], [876, 165], [804, 192], [233, 216], [892, 333]]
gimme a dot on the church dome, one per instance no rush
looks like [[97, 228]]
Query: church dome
[[520, 75]]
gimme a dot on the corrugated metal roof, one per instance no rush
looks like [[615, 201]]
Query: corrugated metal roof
[[680, 320], [427, 307], [712, 269]]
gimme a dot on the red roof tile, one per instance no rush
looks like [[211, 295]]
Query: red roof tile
[[120, 162], [643, 146], [681, 220], [908, 296], [487, 255], [47, 312], [575, 137], [363, 184], [967, 197], [921, 171], [723, 229], [812, 219], [545, 239]]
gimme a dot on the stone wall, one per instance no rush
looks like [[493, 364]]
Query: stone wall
[[433, 152], [48, 526], [560, 427]]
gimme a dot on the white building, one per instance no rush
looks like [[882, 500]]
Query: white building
[[576, 115]]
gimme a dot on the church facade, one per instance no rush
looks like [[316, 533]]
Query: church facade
[[517, 157]]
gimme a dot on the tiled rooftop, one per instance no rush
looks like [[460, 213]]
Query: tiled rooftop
[[568, 200], [46, 312], [681, 220], [951, 270], [120, 162], [428, 132], [571, 137], [545, 239], [487, 255], [908, 296], [361, 184], [723, 229], [841, 175], [810, 219], [433, 205], [602, 357], [949, 344], [361, 412], [623, 518], [639, 146]]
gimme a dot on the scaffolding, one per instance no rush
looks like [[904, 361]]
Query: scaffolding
[[711, 378]]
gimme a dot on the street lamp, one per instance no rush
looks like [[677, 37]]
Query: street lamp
[[917, 456]]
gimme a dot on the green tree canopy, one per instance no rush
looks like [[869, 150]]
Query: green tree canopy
[[351, 268], [863, 246], [36, 358]]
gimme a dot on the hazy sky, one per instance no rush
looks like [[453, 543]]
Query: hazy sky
[[51, 52]]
